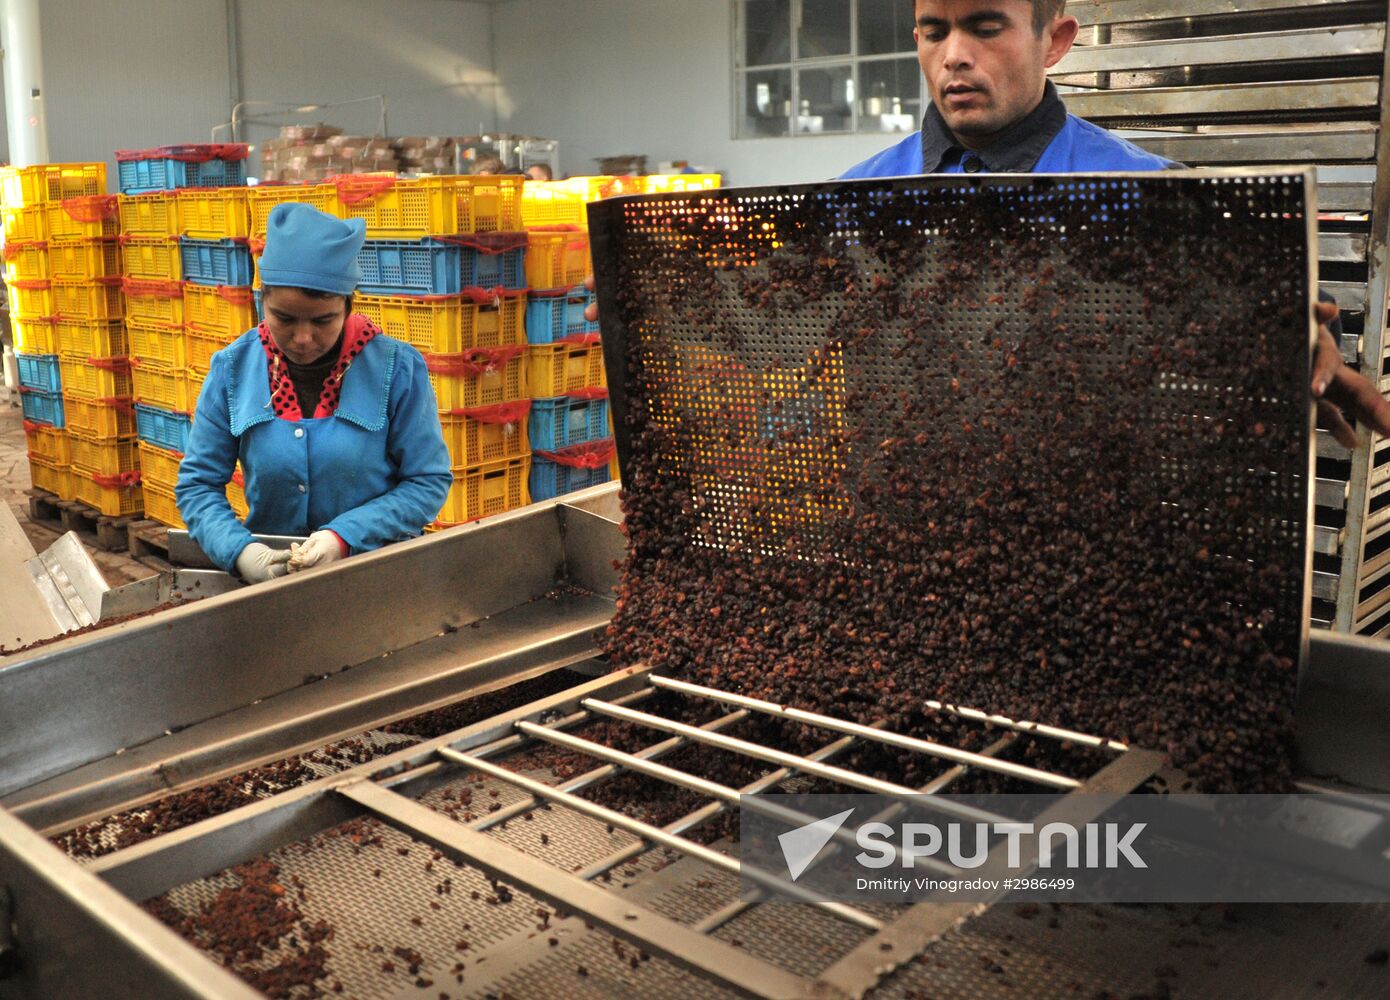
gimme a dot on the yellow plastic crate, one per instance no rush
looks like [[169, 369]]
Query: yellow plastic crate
[[199, 348], [24, 186], [26, 260], [85, 260], [161, 506], [474, 441], [56, 479], [154, 215], [482, 377], [264, 197], [151, 258], [494, 488], [104, 456], [551, 203], [153, 301], [219, 310], [555, 369], [431, 206], [195, 379], [557, 258], [236, 495], [31, 298], [448, 325], [95, 378], [159, 344], [162, 386], [663, 183], [113, 496], [99, 419], [159, 467], [89, 300], [88, 218], [50, 444], [86, 338], [214, 213], [23, 225], [34, 336]]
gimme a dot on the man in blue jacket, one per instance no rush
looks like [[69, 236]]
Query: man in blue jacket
[[994, 110]]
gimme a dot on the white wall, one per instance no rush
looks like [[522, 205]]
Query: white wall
[[122, 74], [609, 77], [431, 58]]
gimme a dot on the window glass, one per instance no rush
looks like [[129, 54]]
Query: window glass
[[890, 95], [767, 102], [885, 27], [824, 29], [827, 99], [767, 28]]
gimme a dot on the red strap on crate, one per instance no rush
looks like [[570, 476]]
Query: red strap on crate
[[237, 477], [160, 324], [12, 250], [491, 296], [488, 243], [32, 284], [108, 281], [498, 413], [120, 366], [119, 481], [257, 244], [591, 455], [92, 208], [474, 362], [580, 339], [578, 291], [31, 427], [123, 403], [237, 296], [620, 185], [354, 188], [152, 288], [197, 153], [595, 392]]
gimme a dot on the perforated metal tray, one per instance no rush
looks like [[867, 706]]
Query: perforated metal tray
[[1067, 415]]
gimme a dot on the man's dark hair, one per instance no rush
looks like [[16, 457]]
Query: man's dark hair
[[1045, 12]]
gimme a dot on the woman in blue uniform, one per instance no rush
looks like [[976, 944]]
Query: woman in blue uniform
[[334, 422]]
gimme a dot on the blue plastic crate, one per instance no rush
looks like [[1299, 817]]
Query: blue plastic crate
[[215, 262], [163, 428], [493, 270], [552, 318], [40, 371], [567, 420], [144, 176], [42, 407], [551, 479], [402, 267]]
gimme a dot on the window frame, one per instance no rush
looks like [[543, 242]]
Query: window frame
[[796, 64]]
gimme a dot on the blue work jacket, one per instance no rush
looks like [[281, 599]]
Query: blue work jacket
[[375, 472], [1079, 147]]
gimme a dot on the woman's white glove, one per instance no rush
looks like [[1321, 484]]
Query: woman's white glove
[[319, 549], [259, 562]]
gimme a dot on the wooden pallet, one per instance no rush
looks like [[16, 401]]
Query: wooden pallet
[[104, 532], [148, 541]]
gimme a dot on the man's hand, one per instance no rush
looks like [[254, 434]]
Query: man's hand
[[319, 549], [590, 312], [259, 563], [1341, 391]]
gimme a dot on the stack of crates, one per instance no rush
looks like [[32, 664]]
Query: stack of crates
[[571, 436], [73, 311], [443, 269], [185, 222]]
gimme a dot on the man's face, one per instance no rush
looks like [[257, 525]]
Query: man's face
[[985, 66]]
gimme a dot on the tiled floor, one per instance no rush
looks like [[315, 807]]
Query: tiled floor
[[117, 567]]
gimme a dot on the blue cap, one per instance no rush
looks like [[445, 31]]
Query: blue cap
[[306, 248]]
